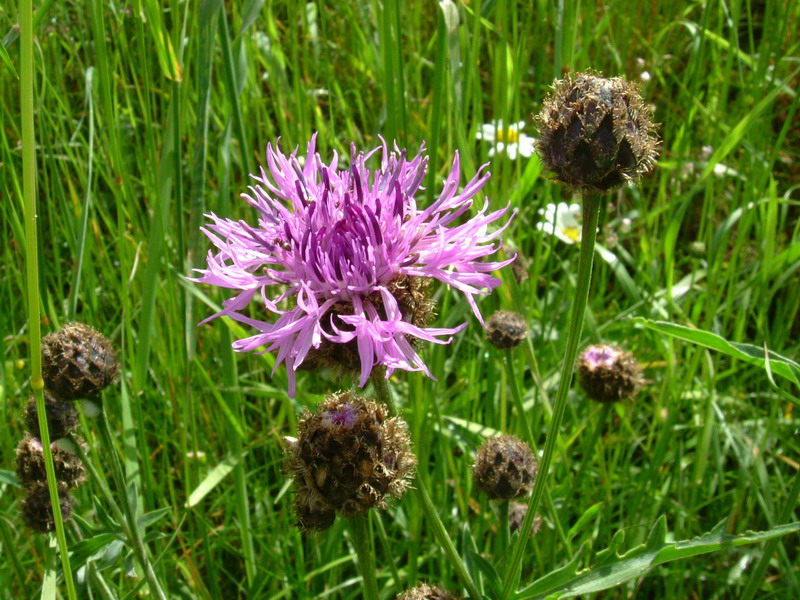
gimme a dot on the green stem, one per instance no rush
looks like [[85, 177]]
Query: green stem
[[382, 390], [503, 535], [591, 212], [359, 528], [443, 538], [32, 276], [134, 535], [589, 444], [384, 394]]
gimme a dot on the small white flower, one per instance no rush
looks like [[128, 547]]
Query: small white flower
[[645, 76], [507, 139], [563, 221]]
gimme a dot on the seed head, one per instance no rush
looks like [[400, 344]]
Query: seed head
[[426, 592], [37, 510], [596, 133], [505, 468], [30, 464], [62, 417], [607, 373], [349, 457], [506, 329], [77, 362]]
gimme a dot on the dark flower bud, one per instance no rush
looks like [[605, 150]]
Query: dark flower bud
[[506, 329], [516, 515], [349, 457], [37, 510], [596, 133], [607, 373], [30, 464], [426, 592], [505, 468], [77, 362], [62, 417]]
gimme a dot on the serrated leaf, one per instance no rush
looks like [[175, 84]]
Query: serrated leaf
[[613, 569]]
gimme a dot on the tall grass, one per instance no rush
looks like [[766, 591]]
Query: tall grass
[[148, 116]]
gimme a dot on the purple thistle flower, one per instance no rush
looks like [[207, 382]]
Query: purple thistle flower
[[332, 247]]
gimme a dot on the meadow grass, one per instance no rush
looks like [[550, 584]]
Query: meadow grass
[[148, 116]]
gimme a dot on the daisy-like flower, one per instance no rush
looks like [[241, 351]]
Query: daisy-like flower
[[508, 139], [341, 258], [563, 221]]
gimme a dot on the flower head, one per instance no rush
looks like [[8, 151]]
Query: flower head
[[348, 457], [608, 373], [563, 221], [505, 468], [508, 139], [596, 133], [341, 257]]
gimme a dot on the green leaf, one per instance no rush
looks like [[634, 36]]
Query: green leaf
[[613, 569], [7, 60], [213, 478], [779, 365], [9, 478]]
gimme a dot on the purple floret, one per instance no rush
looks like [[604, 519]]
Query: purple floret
[[327, 236]]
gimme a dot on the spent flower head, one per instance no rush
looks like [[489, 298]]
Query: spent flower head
[[608, 373], [341, 258], [508, 139]]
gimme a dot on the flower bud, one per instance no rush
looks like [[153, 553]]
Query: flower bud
[[426, 592], [37, 510], [30, 464], [596, 133], [607, 373], [77, 362], [62, 417], [505, 468], [506, 329], [349, 456]]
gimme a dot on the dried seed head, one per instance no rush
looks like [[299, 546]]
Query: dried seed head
[[506, 329], [37, 510], [62, 417], [30, 464], [607, 373], [426, 592], [313, 514], [505, 468], [516, 515], [596, 133], [77, 362], [349, 457]]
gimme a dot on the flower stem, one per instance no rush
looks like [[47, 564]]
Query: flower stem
[[359, 528], [382, 390], [32, 276], [384, 394], [589, 445], [591, 212], [132, 528], [503, 533]]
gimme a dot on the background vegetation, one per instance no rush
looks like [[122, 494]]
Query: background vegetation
[[149, 115]]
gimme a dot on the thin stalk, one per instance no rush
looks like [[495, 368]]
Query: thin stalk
[[591, 211], [32, 276], [589, 444], [386, 548], [359, 528], [134, 535], [503, 535], [444, 539], [382, 390], [384, 394]]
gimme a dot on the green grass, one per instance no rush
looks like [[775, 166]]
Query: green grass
[[147, 118]]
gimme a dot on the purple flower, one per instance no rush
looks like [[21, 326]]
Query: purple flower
[[340, 256]]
